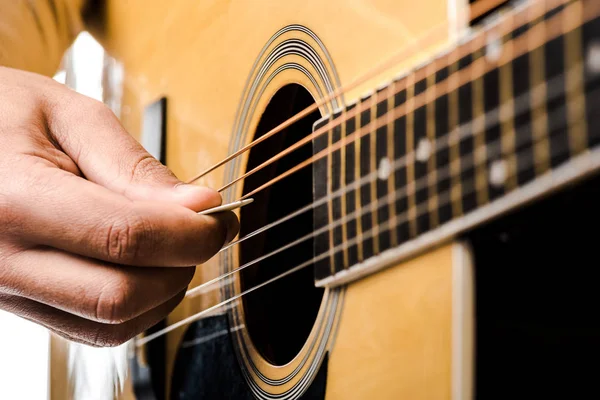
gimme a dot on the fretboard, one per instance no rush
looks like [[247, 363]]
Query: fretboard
[[514, 103]]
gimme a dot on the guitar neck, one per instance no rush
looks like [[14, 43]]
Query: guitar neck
[[459, 139]]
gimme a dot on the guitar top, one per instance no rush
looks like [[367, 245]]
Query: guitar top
[[397, 153]]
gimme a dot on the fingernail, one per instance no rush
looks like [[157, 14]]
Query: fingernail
[[204, 197], [188, 188]]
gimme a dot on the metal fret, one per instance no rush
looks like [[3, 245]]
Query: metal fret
[[442, 131], [466, 143], [537, 77], [480, 154], [522, 115], [343, 211], [373, 168], [492, 101], [357, 151], [574, 80], [366, 191], [591, 46], [506, 169], [456, 190], [422, 148], [321, 216], [336, 201], [330, 202], [410, 147], [382, 165], [351, 196], [400, 152], [391, 178], [431, 136], [554, 67]]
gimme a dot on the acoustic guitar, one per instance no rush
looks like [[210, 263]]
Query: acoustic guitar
[[425, 214]]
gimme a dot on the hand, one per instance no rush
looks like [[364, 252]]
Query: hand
[[98, 240]]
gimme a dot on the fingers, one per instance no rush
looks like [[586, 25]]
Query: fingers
[[93, 290], [93, 137], [64, 211], [82, 330]]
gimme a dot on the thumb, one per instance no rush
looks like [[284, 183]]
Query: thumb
[[143, 177], [90, 133]]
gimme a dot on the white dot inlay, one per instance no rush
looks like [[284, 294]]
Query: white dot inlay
[[493, 48], [385, 168], [498, 172], [593, 57], [423, 151]]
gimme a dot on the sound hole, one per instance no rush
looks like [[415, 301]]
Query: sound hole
[[280, 315]]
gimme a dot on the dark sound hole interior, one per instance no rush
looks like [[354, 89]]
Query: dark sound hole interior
[[280, 315]]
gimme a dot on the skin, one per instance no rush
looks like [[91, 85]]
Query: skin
[[98, 240]]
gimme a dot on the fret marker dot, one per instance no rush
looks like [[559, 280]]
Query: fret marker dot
[[593, 57], [385, 168], [423, 150], [498, 172], [493, 49]]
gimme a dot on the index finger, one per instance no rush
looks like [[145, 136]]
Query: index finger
[[81, 217]]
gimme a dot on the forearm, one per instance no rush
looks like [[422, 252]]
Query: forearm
[[34, 34]]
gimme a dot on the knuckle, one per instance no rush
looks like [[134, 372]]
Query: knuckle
[[113, 302], [69, 106], [97, 110], [146, 167], [125, 237]]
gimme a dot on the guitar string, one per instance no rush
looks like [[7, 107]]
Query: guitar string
[[202, 287], [363, 131], [419, 100], [228, 305], [490, 119], [389, 63], [520, 46], [385, 226], [418, 185], [233, 302], [417, 43], [225, 305], [261, 285]]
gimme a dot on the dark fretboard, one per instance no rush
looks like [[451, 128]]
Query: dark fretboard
[[515, 101]]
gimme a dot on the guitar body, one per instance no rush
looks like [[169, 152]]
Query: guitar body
[[228, 72], [201, 56]]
